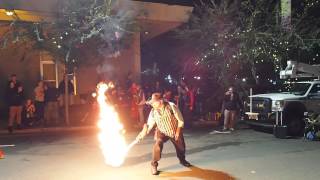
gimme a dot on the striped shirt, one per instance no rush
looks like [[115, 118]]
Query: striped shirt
[[167, 119]]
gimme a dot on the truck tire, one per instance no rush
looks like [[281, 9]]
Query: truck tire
[[293, 118]]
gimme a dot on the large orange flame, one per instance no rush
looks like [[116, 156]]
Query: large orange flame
[[112, 141]]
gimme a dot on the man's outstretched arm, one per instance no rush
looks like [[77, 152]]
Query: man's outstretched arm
[[147, 127]]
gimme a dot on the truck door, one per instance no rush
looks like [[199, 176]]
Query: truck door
[[313, 101]]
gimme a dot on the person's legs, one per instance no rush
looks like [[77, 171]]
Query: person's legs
[[48, 112], [187, 117], [226, 119], [232, 119], [12, 114], [18, 114], [180, 147], [160, 138], [40, 111], [55, 110]]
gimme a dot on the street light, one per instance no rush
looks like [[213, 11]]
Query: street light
[[9, 12]]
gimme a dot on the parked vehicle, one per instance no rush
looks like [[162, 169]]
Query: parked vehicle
[[290, 103]]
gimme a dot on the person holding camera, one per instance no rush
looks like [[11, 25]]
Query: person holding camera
[[230, 107]]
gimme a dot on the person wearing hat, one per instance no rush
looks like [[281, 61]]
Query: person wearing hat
[[168, 120]]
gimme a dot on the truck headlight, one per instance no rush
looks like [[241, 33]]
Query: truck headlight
[[278, 105]]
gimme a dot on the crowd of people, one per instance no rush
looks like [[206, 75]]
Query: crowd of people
[[131, 101], [43, 108], [46, 105]]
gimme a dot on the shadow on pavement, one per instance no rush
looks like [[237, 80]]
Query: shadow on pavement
[[196, 172], [147, 157]]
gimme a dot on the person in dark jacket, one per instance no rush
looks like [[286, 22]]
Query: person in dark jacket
[[230, 107], [51, 112], [15, 98], [62, 96]]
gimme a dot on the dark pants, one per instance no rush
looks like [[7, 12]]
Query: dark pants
[[39, 110], [188, 116], [160, 139]]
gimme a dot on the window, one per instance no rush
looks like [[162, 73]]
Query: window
[[49, 72], [315, 91]]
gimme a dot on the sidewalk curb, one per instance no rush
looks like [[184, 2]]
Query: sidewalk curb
[[49, 129]]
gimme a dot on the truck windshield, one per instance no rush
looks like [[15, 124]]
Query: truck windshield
[[295, 88]]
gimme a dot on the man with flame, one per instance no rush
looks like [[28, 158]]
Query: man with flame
[[168, 120]]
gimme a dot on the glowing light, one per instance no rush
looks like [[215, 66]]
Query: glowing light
[[169, 79], [197, 77], [9, 13], [112, 141]]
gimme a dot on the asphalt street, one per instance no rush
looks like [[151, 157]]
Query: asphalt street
[[243, 154]]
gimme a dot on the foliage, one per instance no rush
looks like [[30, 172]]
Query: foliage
[[234, 37], [101, 27]]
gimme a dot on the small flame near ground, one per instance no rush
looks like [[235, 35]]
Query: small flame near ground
[[111, 136]]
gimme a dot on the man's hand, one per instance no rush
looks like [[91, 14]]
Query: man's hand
[[141, 136], [143, 133], [178, 134]]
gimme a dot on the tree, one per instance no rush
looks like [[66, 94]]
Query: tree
[[106, 25], [234, 36]]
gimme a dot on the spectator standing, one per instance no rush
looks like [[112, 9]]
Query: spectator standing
[[189, 99], [39, 97], [52, 106], [185, 102], [181, 90], [141, 102], [230, 107], [133, 91], [61, 98], [199, 99], [15, 97]]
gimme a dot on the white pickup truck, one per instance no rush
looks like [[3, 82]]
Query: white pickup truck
[[293, 100]]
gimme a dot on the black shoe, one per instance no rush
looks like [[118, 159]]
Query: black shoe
[[154, 170], [10, 129], [19, 127], [185, 163]]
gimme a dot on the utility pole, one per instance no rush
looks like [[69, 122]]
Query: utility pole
[[285, 8]]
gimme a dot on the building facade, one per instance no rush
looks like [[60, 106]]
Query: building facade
[[33, 65]]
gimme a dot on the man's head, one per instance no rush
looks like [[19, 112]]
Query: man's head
[[13, 77], [155, 101], [231, 89], [40, 84]]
